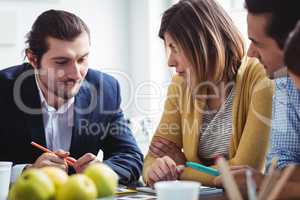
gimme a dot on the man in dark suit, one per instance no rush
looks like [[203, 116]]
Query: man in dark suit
[[56, 101]]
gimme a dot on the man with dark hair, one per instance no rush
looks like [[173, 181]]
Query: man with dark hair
[[269, 24], [56, 101], [292, 55]]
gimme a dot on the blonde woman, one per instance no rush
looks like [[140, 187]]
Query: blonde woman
[[218, 104]]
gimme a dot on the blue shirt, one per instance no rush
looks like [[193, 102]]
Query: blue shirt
[[285, 130]]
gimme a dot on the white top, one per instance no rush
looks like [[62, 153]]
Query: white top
[[216, 131], [58, 124]]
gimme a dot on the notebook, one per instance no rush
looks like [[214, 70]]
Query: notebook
[[203, 190]]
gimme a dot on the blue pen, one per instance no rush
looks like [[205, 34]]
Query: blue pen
[[201, 168]]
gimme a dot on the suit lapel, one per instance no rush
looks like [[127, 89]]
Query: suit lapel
[[82, 115], [33, 112]]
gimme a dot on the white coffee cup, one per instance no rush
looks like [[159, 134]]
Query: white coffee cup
[[177, 190], [5, 172]]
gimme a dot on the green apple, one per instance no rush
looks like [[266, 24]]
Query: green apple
[[32, 184], [105, 179], [57, 176], [77, 187]]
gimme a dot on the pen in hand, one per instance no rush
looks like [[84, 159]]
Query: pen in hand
[[69, 160]]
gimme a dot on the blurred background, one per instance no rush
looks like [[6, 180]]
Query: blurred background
[[124, 44]]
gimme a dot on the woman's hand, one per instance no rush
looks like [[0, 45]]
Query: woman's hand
[[163, 169], [161, 147]]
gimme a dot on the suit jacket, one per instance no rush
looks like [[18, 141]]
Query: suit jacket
[[98, 122]]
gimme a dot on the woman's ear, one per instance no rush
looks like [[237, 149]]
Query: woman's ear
[[32, 58]]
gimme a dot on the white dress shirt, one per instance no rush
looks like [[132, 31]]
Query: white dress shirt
[[58, 124]]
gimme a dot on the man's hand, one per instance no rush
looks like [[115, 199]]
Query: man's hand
[[83, 162], [161, 147], [239, 174], [55, 159], [163, 169]]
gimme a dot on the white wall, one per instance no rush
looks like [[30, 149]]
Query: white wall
[[108, 21], [147, 57], [236, 10]]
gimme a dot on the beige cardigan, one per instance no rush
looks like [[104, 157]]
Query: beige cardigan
[[251, 113]]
